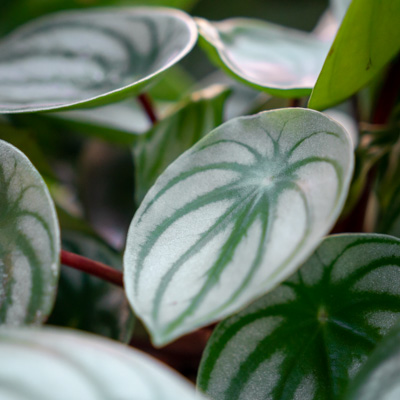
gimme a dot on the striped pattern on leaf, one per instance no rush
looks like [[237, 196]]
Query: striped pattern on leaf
[[89, 303], [310, 335], [234, 216], [29, 241], [281, 61], [89, 57], [61, 364], [154, 151]]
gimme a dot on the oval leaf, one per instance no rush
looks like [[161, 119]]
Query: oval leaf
[[89, 303], [62, 364], [367, 40], [379, 377], [280, 61], [233, 217], [309, 336], [29, 241], [90, 58]]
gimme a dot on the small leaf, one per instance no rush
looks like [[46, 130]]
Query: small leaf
[[172, 136], [63, 364], [379, 376], [29, 241], [90, 58], [309, 337], [281, 61], [89, 303], [234, 216], [367, 40]]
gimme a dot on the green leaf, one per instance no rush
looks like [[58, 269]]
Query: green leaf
[[234, 216], [89, 58], [29, 241], [308, 338], [281, 61], [197, 116], [379, 376], [89, 303], [367, 40], [61, 364]]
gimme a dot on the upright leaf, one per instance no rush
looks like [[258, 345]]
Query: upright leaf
[[197, 116], [281, 61], [234, 216], [367, 40], [61, 364], [89, 303], [90, 57], [309, 337], [29, 241]]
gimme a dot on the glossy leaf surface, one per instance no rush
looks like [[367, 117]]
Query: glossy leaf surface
[[89, 58], [280, 61], [62, 364], [366, 41], [197, 116], [233, 217], [29, 241], [379, 377], [310, 335], [89, 303]]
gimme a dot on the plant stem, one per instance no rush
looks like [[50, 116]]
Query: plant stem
[[147, 105], [92, 267]]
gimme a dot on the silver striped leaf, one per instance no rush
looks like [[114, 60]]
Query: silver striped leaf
[[193, 119], [233, 217], [29, 241], [61, 364], [378, 379], [89, 303], [281, 61], [307, 338], [89, 58]]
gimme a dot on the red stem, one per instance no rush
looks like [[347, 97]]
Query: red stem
[[91, 267], [147, 105]]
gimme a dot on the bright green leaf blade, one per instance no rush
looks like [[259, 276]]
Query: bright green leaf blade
[[281, 61], [233, 217], [29, 241], [368, 39], [309, 336], [61, 364], [89, 303], [90, 58], [157, 149], [379, 377]]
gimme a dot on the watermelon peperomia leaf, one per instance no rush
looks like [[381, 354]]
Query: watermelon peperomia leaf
[[234, 216], [62, 364], [29, 241], [280, 61], [89, 58], [309, 337]]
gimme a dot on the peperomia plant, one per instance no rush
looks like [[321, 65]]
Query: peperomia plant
[[264, 237]]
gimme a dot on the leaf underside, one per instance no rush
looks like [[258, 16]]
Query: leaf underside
[[309, 336], [29, 241], [233, 217], [89, 57]]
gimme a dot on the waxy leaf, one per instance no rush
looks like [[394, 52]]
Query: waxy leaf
[[29, 241], [90, 58], [89, 303], [367, 40], [61, 364], [309, 337], [233, 217], [172, 136], [281, 61], [378, 379]]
